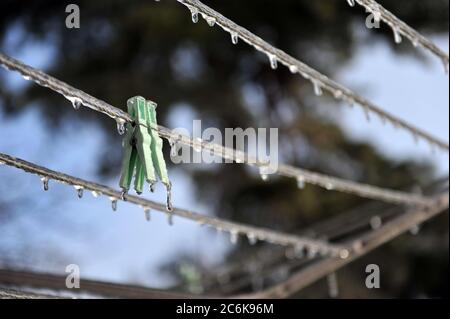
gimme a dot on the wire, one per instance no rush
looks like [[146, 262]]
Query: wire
[[366, 243], [320, 81], [78, 97], [400, 28], [235, 229]]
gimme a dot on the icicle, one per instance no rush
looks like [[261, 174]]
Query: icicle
[[194, 14], [273, 61], [333, 289], [300, 182], [169, 206], [263, 171], [234, 236], [234, 38], [351, 3], [252, 239], [376, 222], [79, 190], [211, 21], [44, 180], [293, 69], [317, 88], [76, 102], [397, 35], [121, 128]]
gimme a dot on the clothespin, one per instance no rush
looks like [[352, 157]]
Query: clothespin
[[143, 149]]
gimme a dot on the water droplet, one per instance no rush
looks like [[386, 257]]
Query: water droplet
[[273, 61], [317, 88], [169, 206], [211, 21], [147, 213], [194, 15], [45, 180], [351, 3], [121, 127], [234, 38], [234, 236], [79, 190], [338, 94], [300, 182]]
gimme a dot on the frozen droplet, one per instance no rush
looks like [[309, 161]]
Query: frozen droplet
[[169, 206], [397, 36], [415, 230], [147, 213], [234, 236], [273, 61], [234, 38], [194, 15], [79, 190], [376, 222], [344, 253], [121, 128], [170, 219], [300, 182], [317, 88], [351, 3], [293, 69], [45, 180], [252, 239], [76, 102], [264, 172], [329, 186], [113, 203], [211, 21]]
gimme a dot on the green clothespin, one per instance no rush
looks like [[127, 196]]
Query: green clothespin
[[143, 149]]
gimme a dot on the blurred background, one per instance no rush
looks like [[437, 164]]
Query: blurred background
[[193, 71]]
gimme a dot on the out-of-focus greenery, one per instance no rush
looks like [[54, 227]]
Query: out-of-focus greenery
[[127, 48]]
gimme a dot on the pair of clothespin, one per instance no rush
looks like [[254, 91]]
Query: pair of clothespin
[[143, 155]]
